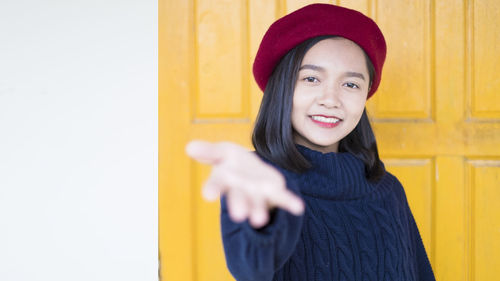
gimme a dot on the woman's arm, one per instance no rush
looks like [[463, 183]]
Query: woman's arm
[[261, 210], [256, 254]]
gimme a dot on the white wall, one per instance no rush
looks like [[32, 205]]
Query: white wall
[[78, 140]]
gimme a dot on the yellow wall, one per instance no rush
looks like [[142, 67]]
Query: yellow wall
[[436, 117]]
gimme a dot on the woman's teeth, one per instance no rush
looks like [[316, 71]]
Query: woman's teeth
[[325, 119]]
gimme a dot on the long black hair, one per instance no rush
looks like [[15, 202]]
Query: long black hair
[[273, 132]]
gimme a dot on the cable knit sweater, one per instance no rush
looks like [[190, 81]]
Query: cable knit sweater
[[351, 229]]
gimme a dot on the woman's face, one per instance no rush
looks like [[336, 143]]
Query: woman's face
[[330, 94]]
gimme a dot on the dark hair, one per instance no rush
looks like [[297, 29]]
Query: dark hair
[[273, 133]]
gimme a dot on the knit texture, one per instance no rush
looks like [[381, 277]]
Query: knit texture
[[351, 230]]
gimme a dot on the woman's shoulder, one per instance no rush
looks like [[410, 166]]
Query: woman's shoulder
[[390, 181]]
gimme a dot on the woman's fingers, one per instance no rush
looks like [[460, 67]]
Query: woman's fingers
[[286, 200], [237, 204], [259, 213], [205, 152], [214, 186], [245, 200], [211, 189], [252, 187]]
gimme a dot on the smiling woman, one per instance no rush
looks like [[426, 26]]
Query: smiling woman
[[274, 137], [287, 211], [330, 92]]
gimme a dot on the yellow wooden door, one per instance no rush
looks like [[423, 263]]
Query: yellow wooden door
[[436, 117]]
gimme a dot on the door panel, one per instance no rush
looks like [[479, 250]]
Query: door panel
[[483, 180], [409, 53]]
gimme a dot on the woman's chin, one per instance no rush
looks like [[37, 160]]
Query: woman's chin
[[323, 146]]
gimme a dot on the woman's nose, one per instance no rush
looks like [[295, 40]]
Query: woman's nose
[[330, 97]]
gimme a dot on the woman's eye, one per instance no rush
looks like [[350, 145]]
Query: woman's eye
[[351, 85], [311, 79]]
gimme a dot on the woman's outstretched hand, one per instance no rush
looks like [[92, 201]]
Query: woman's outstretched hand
[[252, 187]]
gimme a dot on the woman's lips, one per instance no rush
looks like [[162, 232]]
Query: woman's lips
[[326, 121]]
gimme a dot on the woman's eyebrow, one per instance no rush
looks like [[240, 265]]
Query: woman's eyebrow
[[321, 69], [312, 67], [355, 74]]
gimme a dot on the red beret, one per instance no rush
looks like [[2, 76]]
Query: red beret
[[317, 20]]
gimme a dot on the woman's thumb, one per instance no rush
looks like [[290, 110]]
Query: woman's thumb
[[203, 151]]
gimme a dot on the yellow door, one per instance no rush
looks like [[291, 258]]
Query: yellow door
[[436, 117]]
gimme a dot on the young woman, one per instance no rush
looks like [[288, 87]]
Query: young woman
[[314, 201]]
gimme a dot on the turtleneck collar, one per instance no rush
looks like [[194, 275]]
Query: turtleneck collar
[[334, 175]]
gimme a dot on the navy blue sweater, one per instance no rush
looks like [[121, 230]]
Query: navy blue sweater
[[351, 229]]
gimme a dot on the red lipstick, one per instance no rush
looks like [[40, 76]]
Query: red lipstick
[[326, 123]]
